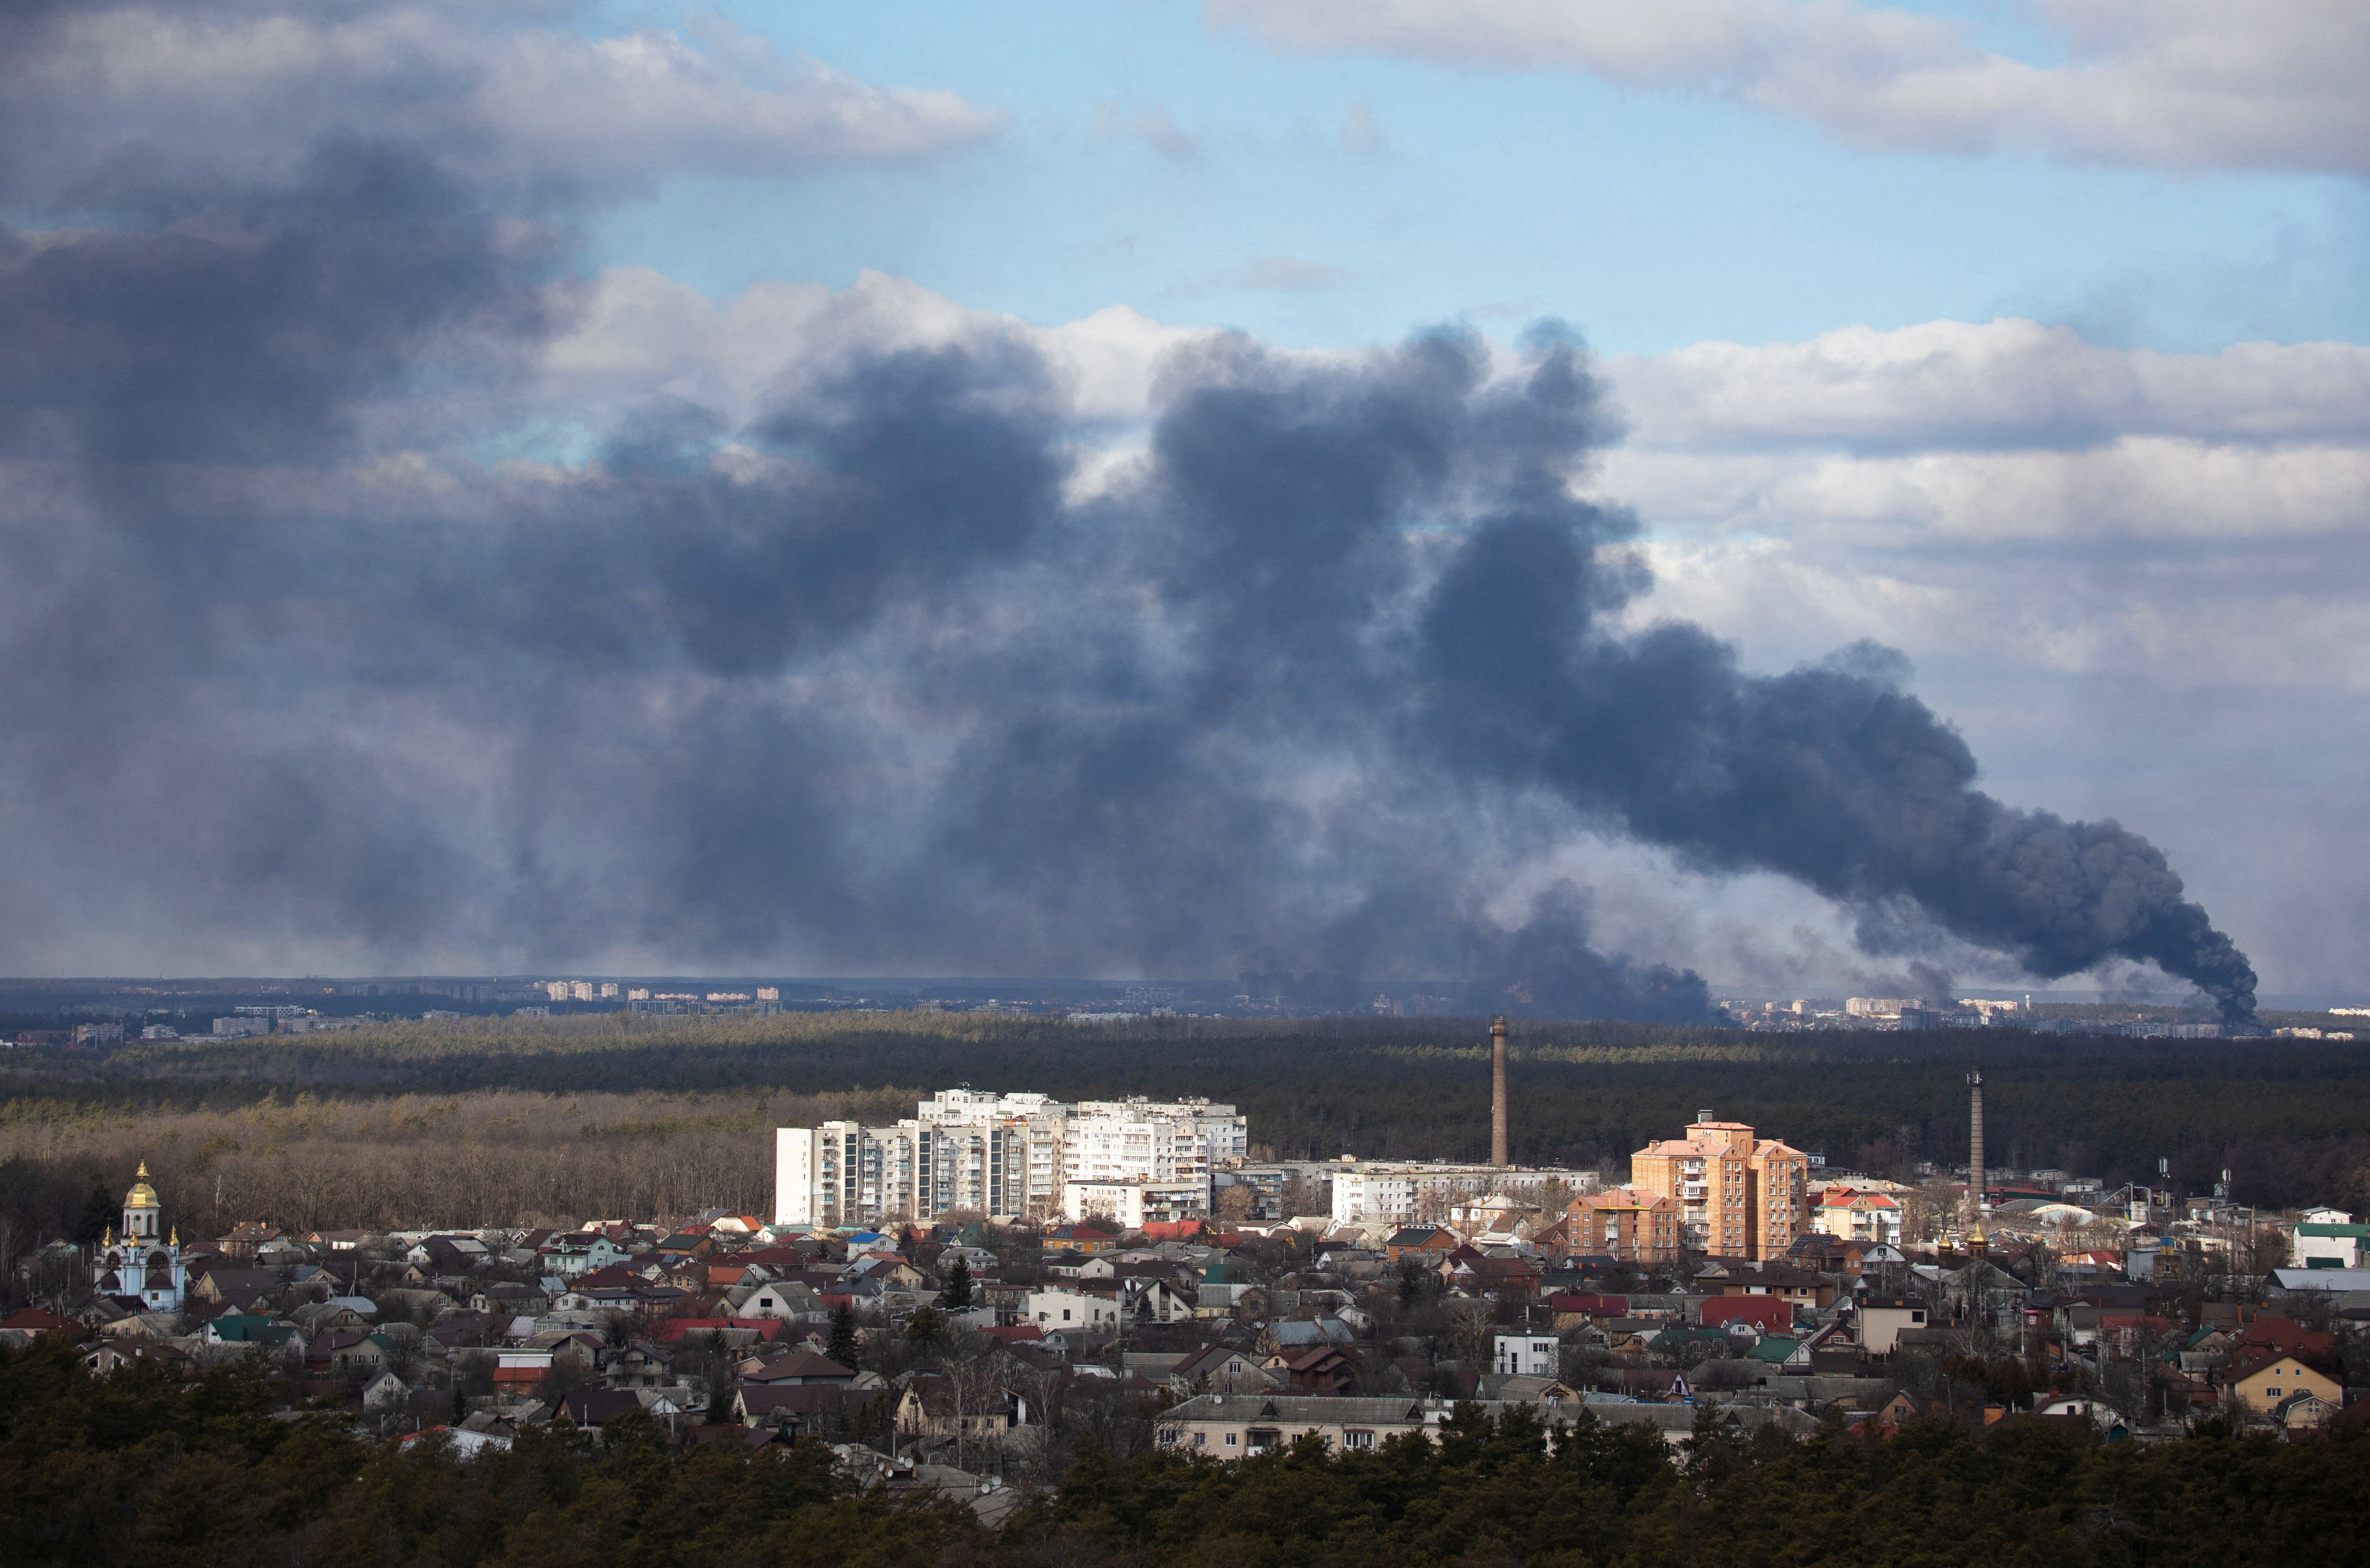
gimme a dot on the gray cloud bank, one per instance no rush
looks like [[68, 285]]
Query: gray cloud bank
[[886, 675]]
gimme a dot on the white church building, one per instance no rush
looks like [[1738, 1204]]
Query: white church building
[[140, 1263]]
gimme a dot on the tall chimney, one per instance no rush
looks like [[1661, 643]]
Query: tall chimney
[[1498, 1092], [1975, 1150]]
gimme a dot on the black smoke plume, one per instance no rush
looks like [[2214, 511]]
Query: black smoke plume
[[297, 663]]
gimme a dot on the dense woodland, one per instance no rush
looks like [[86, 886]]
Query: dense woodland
[[139, 1468], [524, 1121]]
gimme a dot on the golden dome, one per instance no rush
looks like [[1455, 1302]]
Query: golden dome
[[142, 1195]]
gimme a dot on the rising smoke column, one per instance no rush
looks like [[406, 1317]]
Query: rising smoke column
[[872, 679]]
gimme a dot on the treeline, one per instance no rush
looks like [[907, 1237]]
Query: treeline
[[402, 1162], [2291, 1119], [136, 1468]]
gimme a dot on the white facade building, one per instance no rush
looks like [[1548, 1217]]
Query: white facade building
[[1133, 1204], [141, 1264], [1529, 1355], [997, 1154], [1051, 1309], [1388, 1193]]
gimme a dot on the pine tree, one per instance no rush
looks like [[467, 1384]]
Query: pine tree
[[98, 1212], [956, 1295], [842, 1347]]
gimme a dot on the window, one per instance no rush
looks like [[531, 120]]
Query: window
[[1201, 1438], [1230, 1440], [1356, 1439]]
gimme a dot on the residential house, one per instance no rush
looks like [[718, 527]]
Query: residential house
[[1150, 1299], [2304, 1413], [782, 1299], [450, 1254], [1851, 1215], [1883, 1319], [1427, 1242], [1084, 1237], [1323, 1369], [1527, 1354], [1072, 1309], [345, 1350], [577, 1253], [1573, 1307], [250, 1329], [2260, 1379], [1221, 1368], [1223, 1285], [247, 1236], [1798, 1287], [1495, 1277], [111, 1354], [592, 1409], [2327, 1243], [641, 1364], [813, 1409], [795, 1367], [934, 1405], [237, 1289]]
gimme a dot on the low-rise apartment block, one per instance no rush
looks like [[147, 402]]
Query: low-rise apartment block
[[1406, 1193], [1626, 1223]]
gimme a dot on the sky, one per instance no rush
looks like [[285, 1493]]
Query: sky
[[1555, 494]]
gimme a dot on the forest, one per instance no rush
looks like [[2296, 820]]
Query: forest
[[528, 1121], [138, 1467]]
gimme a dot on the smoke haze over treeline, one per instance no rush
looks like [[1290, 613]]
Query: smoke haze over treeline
[[324, 636]]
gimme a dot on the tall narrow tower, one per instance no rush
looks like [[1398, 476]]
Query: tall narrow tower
[[1975, 1149], [1498, 1092]]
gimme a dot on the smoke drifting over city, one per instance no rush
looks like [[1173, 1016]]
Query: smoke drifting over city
[[313, 636]]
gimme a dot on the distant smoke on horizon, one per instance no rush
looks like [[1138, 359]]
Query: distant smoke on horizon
[[878, 680]]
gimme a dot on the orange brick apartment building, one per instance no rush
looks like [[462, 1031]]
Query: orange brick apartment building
[[1737, 1196]]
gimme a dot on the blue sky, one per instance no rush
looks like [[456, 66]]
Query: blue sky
[[1648, 219]]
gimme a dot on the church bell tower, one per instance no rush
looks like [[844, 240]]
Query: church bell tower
[[142, 1263]]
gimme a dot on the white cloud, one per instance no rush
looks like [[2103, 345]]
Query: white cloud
[[2000, 383], [2013, 497], [251, 90], [2211, 83]]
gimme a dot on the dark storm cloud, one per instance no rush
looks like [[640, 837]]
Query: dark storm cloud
[[870, 681]]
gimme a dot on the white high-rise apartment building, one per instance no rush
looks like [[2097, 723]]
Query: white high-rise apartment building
[[997, 1153]]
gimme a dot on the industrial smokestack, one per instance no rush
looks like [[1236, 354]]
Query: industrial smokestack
[[1975, 1151], [1498, 1092]]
